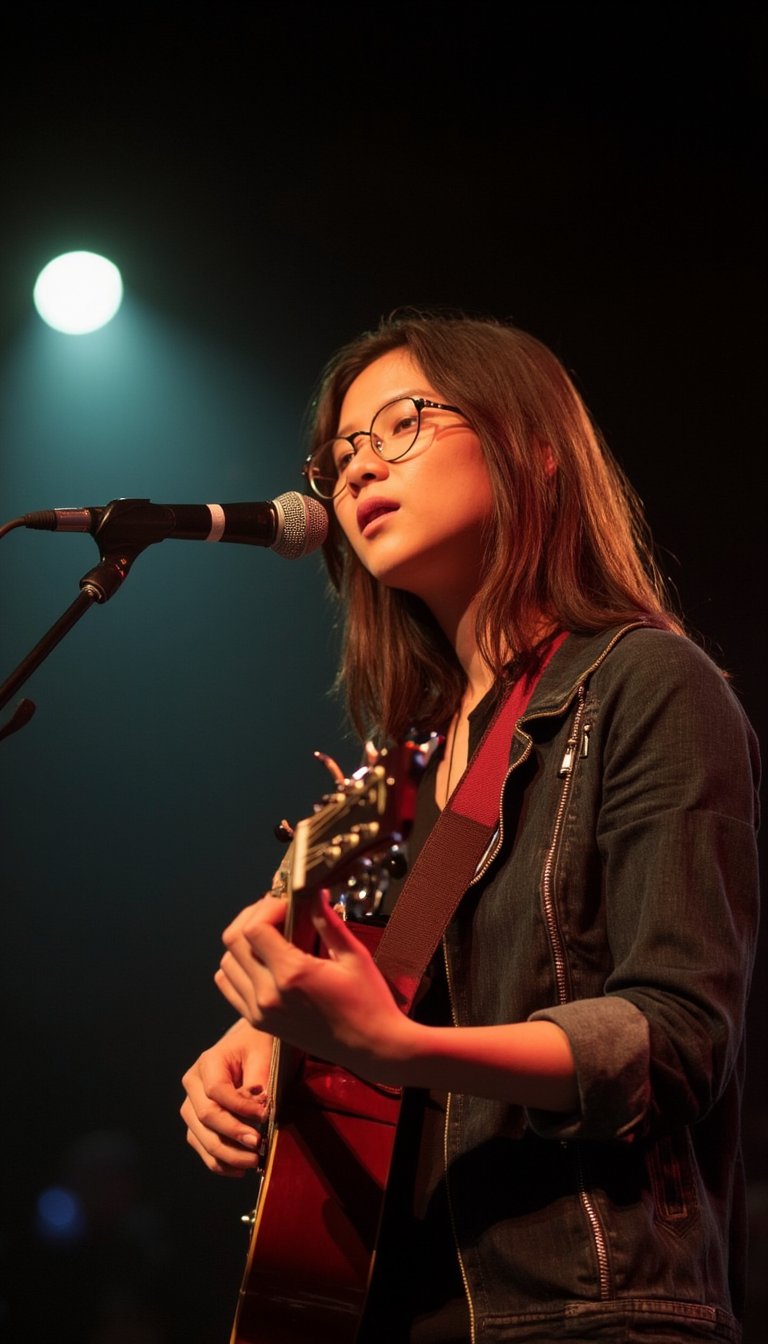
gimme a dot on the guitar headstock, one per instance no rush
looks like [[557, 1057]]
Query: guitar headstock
[[363, 817]]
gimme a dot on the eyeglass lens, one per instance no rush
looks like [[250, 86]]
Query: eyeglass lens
[[393, 432]]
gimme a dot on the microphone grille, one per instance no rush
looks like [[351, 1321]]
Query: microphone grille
[[302, 525]]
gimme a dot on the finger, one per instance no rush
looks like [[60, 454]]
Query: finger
[[245, 970], [264, 946], [267, 910], [247, 984], [221, 1139], [221, 1106], [220, 1157], [241, 1005], [235, 1082], [254, 1076], [249, 1100], [335, 933], [214, 1164]]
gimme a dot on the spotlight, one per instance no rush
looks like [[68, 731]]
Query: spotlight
[[78, 292]]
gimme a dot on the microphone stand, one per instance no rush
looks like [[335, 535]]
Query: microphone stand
[[118, 553]]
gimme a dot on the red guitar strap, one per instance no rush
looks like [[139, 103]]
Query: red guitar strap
[[454, 848]]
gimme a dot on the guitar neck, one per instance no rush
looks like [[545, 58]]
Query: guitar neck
[[364, 815], [330, 1135]]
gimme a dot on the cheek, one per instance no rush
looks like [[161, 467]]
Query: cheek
[[464, 495], [345, 515], [349, 533], [483, 492]]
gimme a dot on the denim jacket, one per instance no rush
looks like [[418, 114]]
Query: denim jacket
[[620, 902]]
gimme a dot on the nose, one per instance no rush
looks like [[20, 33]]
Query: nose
[[366, 465]]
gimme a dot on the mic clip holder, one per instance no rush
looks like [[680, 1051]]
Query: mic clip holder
[[120, 539]]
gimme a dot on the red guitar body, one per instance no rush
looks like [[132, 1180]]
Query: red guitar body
[[317, 1220]]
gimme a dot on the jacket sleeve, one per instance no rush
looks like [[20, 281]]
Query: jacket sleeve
[[676, 837]]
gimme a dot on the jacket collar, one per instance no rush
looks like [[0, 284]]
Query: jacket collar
[[573, 662]]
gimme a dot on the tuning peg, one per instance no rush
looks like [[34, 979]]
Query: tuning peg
[[396, 862], [283, 832], [335, 770]]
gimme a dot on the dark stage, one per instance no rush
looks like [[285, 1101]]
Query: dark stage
[[271, 179]]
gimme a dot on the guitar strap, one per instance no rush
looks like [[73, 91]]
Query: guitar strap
[[453, 850]]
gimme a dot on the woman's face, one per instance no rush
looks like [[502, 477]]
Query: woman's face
[[417, 523]]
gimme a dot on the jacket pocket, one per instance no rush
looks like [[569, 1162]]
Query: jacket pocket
[[674, 1193]]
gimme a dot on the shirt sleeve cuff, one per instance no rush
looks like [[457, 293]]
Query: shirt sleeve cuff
[[610, 1041]]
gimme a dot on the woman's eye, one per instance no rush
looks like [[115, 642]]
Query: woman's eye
[[406, 424], [342, 462]]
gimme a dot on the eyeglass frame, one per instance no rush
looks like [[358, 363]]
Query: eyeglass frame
[[421, 404]]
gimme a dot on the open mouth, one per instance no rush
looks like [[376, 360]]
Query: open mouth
[[373, 509]]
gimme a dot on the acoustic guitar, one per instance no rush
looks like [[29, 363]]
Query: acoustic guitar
[[328, 1143]]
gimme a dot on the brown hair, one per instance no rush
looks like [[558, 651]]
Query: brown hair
[[570, 543]]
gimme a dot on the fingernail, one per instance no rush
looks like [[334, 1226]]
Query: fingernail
[[250, 1140]]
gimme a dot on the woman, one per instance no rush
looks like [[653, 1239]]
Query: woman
[[568, 1156]]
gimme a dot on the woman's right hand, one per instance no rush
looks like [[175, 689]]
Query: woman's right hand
[[226, 1103]]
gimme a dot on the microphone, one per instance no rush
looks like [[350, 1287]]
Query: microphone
[[292, 525]]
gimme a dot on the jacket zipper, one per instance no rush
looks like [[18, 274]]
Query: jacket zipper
[[550, 916], [579, 735], [566, 769], [462, 1270]]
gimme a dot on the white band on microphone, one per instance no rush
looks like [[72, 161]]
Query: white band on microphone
[[218, 522]]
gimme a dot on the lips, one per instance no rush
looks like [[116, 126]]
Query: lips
[[371, 509]]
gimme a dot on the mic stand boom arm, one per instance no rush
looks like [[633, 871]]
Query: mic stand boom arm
[[98, 585]]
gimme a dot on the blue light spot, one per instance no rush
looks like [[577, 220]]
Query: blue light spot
[[59, 1215]]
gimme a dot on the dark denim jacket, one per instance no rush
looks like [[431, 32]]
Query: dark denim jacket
[[621, 903]]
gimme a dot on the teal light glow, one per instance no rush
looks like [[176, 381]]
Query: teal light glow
[[78, 292]]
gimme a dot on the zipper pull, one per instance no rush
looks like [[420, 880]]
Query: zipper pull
[[566, 764], [585, 739]]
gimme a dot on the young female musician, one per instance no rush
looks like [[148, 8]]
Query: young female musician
[[568, 1161]]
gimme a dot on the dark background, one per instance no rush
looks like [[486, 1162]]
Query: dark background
[[271, 178]]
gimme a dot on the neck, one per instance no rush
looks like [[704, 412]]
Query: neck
[[459, 626], [479, 677]]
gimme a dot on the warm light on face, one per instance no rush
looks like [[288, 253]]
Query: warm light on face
[[78, 292]]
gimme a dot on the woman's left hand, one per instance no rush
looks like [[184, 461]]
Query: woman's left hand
[[338, 1007]]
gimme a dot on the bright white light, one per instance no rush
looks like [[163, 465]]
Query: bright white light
[[78, 292]]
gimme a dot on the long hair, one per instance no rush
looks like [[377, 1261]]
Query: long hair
[[567, 538]]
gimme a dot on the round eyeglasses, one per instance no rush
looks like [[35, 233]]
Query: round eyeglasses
[[393, 432]]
